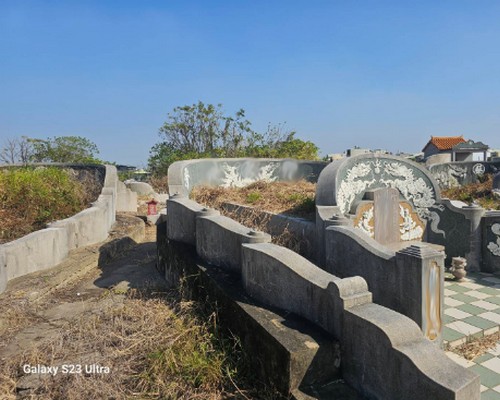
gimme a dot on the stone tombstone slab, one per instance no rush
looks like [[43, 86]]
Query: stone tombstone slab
[[386, 215]]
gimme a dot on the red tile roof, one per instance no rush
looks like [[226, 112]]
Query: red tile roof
[[445, 142]]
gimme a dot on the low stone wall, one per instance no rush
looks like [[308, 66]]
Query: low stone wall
[[238, 172], [384, 354], [48, 247]]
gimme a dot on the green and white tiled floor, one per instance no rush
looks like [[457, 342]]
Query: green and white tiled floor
[[472, 309]]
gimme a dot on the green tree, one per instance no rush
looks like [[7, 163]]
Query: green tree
[[200, 131], [64, 149]]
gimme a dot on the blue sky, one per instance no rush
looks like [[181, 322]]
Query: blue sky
[[378, 74]]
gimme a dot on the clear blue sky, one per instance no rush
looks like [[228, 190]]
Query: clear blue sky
[[378, 74]]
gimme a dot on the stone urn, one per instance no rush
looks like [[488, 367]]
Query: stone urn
[[457, 268]]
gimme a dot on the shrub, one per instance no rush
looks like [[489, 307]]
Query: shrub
[[30, 198]]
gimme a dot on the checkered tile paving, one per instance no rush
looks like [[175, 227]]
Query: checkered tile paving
[[472, 308]]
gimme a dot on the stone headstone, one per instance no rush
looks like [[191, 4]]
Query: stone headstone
[[386, 215]]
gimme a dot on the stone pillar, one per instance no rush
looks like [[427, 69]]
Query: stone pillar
[[474, 214], [325, 217], [420, 280]]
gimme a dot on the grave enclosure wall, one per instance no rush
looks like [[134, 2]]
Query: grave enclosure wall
[[48, 247], [383, 353]]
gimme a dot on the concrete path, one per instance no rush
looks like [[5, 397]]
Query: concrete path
[[472, 310]]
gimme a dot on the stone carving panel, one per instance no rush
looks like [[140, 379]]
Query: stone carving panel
[[364, 220], [494, 247], [368, 174], [233, 176], [410, 226], [451, 176]]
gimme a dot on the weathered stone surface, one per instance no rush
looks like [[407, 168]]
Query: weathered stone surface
[[386, 215], [126, 199], [285, 351], [395, 279], [385, 356], [219, 240], [181, 224], [141, 188], [237, 172]]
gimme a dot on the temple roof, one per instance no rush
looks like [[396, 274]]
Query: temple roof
[[445, 142]]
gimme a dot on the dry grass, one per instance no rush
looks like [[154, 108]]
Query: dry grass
[[159, 183], [259, 220], [291, 198], [477, 347], [155, 347], [480, 193]]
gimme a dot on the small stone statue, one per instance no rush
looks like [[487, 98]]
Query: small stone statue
[[457, 268]]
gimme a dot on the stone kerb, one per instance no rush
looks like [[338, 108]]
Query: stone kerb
[[238, 172], [384, 354], [219, 239]]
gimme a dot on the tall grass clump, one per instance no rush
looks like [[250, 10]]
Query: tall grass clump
[[32, 197]]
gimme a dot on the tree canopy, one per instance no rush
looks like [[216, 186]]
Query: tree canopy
[[63, 149], [200, 131]]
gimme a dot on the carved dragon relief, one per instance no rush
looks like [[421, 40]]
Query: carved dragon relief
[[364, 175], [234, 178], [450, 176]]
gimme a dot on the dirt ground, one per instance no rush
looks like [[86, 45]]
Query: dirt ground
[[40, 308]]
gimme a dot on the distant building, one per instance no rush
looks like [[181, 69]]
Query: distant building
[[455, 148], [356, 151]]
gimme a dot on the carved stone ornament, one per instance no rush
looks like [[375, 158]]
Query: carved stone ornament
[[493, 247], [234, 178], [369, 174]]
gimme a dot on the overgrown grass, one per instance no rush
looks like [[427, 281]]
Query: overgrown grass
[[480, 192], [30, 198], [292, 198]]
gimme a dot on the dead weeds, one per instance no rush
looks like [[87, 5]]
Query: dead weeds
[[149, 347], [477, 347], [290, 198]]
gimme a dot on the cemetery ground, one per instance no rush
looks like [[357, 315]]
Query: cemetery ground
[[106, 321]]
